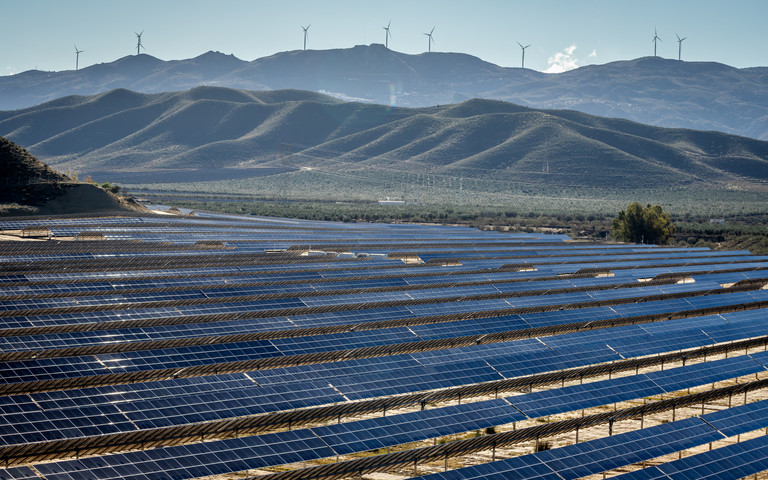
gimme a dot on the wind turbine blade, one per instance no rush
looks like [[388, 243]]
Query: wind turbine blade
[[388, 24], [521, 45], [431, 31]]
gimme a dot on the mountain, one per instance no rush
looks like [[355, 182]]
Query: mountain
[[211, 128], [652, 90], [32, 188]]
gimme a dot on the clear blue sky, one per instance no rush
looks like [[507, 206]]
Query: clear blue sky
[[564, 33]]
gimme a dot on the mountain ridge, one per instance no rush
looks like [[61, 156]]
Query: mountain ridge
[[652, 90]]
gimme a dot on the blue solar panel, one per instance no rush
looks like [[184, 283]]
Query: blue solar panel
[[393, 430], [18, 473]]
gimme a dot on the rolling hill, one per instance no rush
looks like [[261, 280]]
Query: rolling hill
[[651, 90], [207, 128]]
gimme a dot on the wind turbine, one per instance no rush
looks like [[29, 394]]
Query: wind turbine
[[431, 40], [387, 35], [305, 34], [139, 46], [679, 45], [523, 49], [655, 37], [77, 58]]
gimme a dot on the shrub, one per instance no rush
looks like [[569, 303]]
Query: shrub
[[110, 187]]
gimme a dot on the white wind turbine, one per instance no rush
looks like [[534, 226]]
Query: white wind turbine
[[522, 64], [139, 45], [305, 34], [655, 37], [77, 58], [431, 40], [679, 46], [387, 35]]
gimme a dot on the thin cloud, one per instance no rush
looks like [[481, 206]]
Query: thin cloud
[[563, 61], [592, 54]]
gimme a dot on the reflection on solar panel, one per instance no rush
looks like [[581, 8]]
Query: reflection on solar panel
[[208, 344]]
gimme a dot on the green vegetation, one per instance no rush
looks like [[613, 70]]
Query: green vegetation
[[587, 213], [330, 185], [749, 232], [112, 188], [638, 224]]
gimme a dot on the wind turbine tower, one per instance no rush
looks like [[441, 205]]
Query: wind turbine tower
[[305, 34], [139, 46], [679, 46], [522, 65], [431, 40], [77, 58], [655, 37], [387, 35]]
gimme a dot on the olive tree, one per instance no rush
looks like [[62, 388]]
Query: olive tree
[[638, 224]]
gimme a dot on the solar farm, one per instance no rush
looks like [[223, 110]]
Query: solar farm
[[223, 347]]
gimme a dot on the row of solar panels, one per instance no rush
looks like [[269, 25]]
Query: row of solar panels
[[356, 316], [180, 357], [184, 401], [200, 300], [341, 269], [181, 401], [310, 281], [575, 461], [324, 298], [412, 333]]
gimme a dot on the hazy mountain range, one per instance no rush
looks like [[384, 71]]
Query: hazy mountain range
[[652, 90], [213, 127]]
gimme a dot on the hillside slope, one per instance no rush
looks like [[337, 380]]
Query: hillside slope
[[208, 127], [652, 90], [32, 188]]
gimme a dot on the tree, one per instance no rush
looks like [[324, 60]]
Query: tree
[[638, 224]]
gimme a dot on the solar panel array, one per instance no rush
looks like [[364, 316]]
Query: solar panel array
[[187, 346]]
